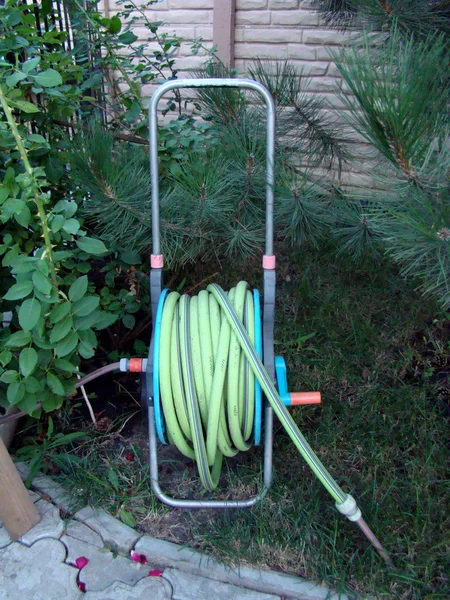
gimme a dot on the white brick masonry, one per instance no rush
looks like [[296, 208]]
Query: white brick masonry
[[283, 4]]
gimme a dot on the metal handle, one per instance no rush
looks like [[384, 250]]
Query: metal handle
[[196, 83]]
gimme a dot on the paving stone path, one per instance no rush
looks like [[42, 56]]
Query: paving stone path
[[89, 558]]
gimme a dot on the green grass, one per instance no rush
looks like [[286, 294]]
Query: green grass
[[362, 336]]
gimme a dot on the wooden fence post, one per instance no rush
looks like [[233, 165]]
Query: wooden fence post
[[17, 510]]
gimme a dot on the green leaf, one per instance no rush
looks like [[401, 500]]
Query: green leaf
[[28, 361], [18, 290], [28, 403], [60, 311], [128, 37], [127, 518], [86, 305], [129, 321], [26, 106], [62, 255], [56, 223], [68, 438], [48, 78], [30, 64], [105, 319], [44, 357], [85, 350], [115, 24], [61, 330], [29, 313], [89, 337], [55, 385], [15, 392], [78, 288], [9, 376], [37, 139], [65, 365], [24, 217], [71, 226], [42, 283], [46, 8], [5, 357], [11, 80], [50, 401], [18, 339], [82, 323], [91, 245], [32, 385], [113, 479], [130, 258], [67, 345]]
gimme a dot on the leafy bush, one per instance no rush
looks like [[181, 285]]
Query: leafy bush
[[52, 267]]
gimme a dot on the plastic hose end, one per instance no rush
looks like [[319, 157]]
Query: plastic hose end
[[349, 508]]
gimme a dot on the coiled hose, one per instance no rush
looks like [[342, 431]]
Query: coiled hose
[[206, 355]]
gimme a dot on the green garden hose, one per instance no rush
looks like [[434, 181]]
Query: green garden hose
[[206, 355], [206, 396]]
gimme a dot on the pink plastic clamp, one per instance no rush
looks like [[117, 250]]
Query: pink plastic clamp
[[156, 261], [268, 262]]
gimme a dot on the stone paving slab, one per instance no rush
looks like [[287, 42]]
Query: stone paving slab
[[152, 588], [5, 540], [34, 497], [82, 532], [37, 572], [104, 568], [191, 587], [113, 532], [50, 526]]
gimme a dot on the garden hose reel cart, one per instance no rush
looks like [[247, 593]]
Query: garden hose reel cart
[[264, 334], [204, 345]]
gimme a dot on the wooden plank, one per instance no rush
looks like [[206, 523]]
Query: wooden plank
[[17, 510]]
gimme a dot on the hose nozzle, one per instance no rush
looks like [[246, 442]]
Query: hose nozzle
[[350, 509]]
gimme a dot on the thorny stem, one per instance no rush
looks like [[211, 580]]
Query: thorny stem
[[28, 168]]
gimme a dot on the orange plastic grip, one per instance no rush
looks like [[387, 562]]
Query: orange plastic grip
[[135, 365], [302, 398]]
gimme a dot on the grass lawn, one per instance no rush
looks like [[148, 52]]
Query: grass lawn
[[378, 352]]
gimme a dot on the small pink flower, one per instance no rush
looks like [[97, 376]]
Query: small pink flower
[[140, 558], [81, 586], [81, 562], [155, 573]]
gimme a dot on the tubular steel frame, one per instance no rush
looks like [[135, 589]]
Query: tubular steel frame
[[157, 284]]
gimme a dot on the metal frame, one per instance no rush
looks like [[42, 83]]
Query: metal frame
[[157, 282]]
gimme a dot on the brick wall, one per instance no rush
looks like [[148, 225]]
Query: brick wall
[[269, 30]]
